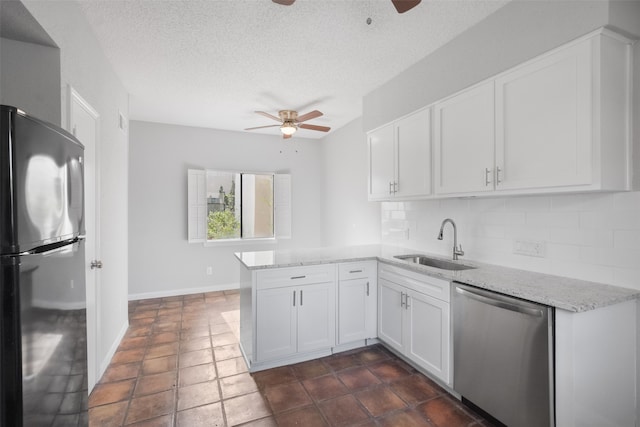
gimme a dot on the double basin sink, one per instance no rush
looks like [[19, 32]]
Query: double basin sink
[[434, 262]]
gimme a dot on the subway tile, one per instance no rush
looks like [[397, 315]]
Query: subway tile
[[626, 239], [583, 202], [625, 277], [553, 219], [528, 204], [628, 200], [582, 237]]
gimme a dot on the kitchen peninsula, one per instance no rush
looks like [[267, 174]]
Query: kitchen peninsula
[[300, 305]]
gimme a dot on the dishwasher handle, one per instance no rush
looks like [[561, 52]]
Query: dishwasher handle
[[500, 304]]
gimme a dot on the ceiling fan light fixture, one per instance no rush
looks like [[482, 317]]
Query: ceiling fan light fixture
[[288, 127]]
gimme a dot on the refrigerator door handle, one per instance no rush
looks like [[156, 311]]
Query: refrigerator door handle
[[61, 247]]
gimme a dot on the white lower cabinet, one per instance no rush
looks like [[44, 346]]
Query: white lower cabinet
[[413, 322], [357, 301], [296, 318]]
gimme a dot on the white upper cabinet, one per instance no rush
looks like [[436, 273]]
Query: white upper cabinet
[[413, 155], [549, 111], [561, 123], [464, 141], [400, 158], [557, 123], [381, 163]]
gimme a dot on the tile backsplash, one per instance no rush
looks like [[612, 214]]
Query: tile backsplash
[[585, 236]]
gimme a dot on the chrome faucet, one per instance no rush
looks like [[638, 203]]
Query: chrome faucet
[[457, 251]]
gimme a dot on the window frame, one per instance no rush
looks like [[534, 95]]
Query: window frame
[[197, 215]]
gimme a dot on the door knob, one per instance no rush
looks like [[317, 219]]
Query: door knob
[[96, 264]]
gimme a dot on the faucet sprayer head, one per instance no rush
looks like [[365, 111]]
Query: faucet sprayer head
[[440, 235]]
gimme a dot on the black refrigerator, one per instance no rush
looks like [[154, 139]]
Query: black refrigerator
[[43, 338]]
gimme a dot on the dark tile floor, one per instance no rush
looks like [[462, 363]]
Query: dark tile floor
[[180, 365]]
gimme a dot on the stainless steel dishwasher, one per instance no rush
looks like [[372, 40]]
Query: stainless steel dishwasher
[[503, 356]]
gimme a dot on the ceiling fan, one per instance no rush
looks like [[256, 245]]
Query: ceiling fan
[[290, 121], [401, 5]]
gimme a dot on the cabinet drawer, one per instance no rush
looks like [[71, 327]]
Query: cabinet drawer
[[294, 276], [422, 283], [356, 270]]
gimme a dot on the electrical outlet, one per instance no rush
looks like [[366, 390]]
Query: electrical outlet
[[536, 248], [209, 271]]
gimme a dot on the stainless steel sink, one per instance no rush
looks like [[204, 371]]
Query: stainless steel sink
[[433, 262]]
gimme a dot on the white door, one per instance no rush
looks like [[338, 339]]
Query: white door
[[543, 121], [381, 163], [464, 142], [316, 317], [83, 124], [276, 323], [413, 151], [427, 329], [390, 313]]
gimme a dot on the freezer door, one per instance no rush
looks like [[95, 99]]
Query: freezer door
[[41, 183]]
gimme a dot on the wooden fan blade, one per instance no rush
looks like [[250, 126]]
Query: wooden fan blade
[[262, 127], [403, 5], [311, 115], [314, 127], [284, 2], [271, 116], [286, 136]]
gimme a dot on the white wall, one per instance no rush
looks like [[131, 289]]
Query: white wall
[[348, 218], [161, 260], [515, 33], [30, 78], [84, 66]]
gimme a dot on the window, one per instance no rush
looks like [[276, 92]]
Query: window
[[227, 206]]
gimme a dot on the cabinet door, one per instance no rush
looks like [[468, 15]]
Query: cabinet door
[[381, 163], [543, 121], [356, 313], [276, 323], [464, 142], [390, 313], [316, 317], [413, 154], [428, 333]]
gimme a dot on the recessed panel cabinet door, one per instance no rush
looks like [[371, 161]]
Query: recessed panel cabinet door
[[356, 314], [543, 122], [316, 317], [390, 313], [381, 163], [276, 323], [414, 155], [464, 142], [427, 326]]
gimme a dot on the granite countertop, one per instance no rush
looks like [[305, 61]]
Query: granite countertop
[[560, 292]]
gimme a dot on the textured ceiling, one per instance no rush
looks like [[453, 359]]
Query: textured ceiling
[[212, 63]]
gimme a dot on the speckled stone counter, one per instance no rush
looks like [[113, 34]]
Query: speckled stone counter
[[560, 292]]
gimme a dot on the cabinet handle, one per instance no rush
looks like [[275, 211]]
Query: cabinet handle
[[355, 271], [298, 277], [367, 288], [487, 172], [498, 180], [395, 187], [390, 184], [401, 299], [300, 298], [294, 298], [406, 301]]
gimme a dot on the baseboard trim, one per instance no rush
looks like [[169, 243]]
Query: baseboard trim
[[187, 291], [112, 350]]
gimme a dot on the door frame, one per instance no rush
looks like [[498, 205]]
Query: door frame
[[75, 100]]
